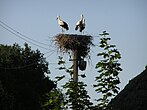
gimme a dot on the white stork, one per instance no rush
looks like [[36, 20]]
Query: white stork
[[80, 25], [62, 24]]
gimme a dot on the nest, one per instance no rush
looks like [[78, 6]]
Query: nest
[[71, 42]]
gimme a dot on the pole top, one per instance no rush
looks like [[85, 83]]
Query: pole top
[[72, 42]]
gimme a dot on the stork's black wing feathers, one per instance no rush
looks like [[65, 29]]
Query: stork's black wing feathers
[[82, 28], [65, 25], [76, 28]]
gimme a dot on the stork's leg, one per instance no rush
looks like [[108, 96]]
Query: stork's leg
[[83, 32], [62, 30]]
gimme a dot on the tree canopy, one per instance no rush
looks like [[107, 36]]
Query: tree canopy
[[23, 82]]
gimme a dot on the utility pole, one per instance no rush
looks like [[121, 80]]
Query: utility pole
[[75, 77], [75, 66]]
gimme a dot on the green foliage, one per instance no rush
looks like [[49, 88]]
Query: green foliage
[[6, 100], [77, 97], [22, 76], [54, 100], [108, 69], [59, 77]]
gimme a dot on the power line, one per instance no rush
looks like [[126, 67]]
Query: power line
[[25, 66], [22, 34], [15, 68], [23, 38], [50, 54]]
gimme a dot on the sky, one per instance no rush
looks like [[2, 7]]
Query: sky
[[125, 20]]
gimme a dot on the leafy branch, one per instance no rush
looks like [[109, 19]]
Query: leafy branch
[[76, 94], [109, 69]]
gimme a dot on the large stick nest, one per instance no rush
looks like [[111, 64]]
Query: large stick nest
[[71, 42]]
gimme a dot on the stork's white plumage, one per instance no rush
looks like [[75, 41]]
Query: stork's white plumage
[[80, 25], [62, 24]]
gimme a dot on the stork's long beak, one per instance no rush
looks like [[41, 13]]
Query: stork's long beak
[[57, 17], [81, 15]]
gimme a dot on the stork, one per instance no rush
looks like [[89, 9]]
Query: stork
[[62, 24], [80, 25]]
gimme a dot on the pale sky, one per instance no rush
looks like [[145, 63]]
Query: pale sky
[[125, 20]]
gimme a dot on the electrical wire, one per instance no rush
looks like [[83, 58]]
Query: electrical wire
[[25, 66], [16, 68], [24, 38], [22, 34], [51, 53]]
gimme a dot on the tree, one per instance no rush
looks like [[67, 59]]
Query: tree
[[77, 97], [6, 100], [54, 100], [22, 77], [109, 69]]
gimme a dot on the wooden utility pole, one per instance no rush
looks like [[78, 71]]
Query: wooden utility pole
[[75, 66], [75, 77]]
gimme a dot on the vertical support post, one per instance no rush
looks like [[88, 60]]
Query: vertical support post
[[75, 77], [75, 66]]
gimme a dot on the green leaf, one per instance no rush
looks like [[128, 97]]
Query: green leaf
[[95, 85], [83, 75], [102, 53], [61, 62], [112, 46], [106, 55], [101, 70], [110, 52], [117, 56], [107, 47], [100, 99], [98, 90], [116, 81], [105, 91], [106, 39], [102, 45], [119, 69], [115, 73], [59, 77], [99, 64], [109, 94], [61, 68], [115, 91], [100, 84], [116, 51], [104, 33]]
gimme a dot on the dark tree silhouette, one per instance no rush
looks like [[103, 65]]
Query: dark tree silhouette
[[22, 78]]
